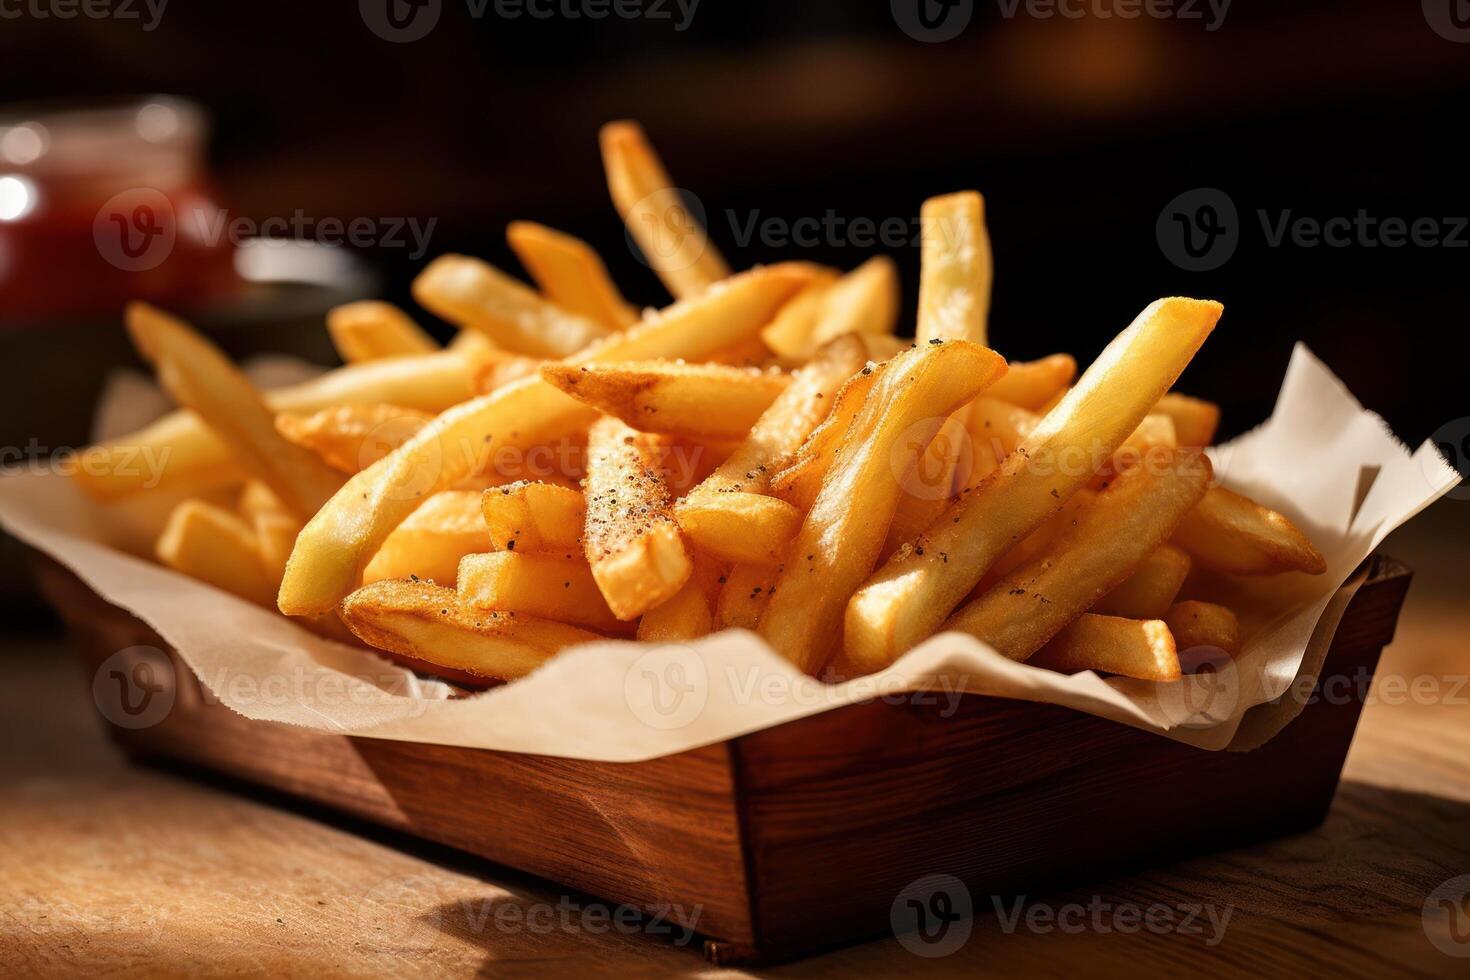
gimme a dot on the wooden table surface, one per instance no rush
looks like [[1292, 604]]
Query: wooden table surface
[[111, 869]]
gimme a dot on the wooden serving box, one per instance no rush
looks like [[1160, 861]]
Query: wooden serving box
[[800, 837]]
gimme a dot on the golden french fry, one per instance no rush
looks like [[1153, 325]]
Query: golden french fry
[[255, 499], [501, 369], [637, 553], [673, 242], [749, 353], [955, 282], [908, 598], [683, 617], [1139, 648], [839, 541], [1033, 384], [351, 437], [710, 401], [1231, 533], [800, 476], [199, 377], [744, 594], [929, 482], [548, 586], [476, 295], [1204, 624], [865, 302], [1154, 434], [428, 623], [1195, 420], [216, 547], [789, 334], [570, 273], [275, 535], [369, 330], [430, 543], [1037, 541], [996, 429], [738, 527], [534, 518], [1150, 590], [1111, 537]]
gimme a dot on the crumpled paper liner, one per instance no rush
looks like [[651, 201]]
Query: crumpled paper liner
[[1321, 459]]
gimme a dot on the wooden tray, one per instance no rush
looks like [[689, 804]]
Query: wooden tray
[[801, 837]]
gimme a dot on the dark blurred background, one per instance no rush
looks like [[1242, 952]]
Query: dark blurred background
[[1080, 131]]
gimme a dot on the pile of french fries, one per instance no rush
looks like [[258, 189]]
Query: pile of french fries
[[761, 454]]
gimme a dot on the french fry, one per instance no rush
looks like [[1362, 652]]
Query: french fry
[[685, 616], [1195, 420], [368, 330], [637, 553], [1038, 540], [954, 287], [800, 477], [996, 429], [1231, 533], [431, 542], [708, 401], [570, 273], [477, 296], [1139, 648], [428, 623], [673, 242], [547, 586], [255, 499], [199, 377], [275, 535], [744, 596], [501, 369], [865, 301], [216, 547], [907, 599], [1154, 434], [789, 334], [929, 482], [534, 518], [1204, 624], [1149, 591], [1033, 384], [1112, 536], [749, 353], [349, 438], [840, 539]]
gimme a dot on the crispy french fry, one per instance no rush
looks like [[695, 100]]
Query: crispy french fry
[[710, 401], [1112, 537], [1038, 540], [789, 334], [501, 369], [954, 287], [1195, 420], [996, 429], [1139, 648], [570, 273], [349, 438], [1155, 434], [800, 477], [216, 547], [839, 541], [750, 353], [1231, 533], [909, 597], [739, 527], [431, 542], [865, 301], [1204, 624], [369, 330], [428, 623], [683, 617], [199, 377], [1033, 384], [673, 242], [275, 535], [744, 595], [1150, 590], [929, 482], [255, 499], [637, 553], [548, 586], [534, 518]]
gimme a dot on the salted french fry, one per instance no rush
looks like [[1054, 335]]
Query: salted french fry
[[570, 273], [548, 586], [637, 553], [199, 377], [1033, 384], [275, 535], [907, 599], [709, 401], [1149, 591], [800, 477], [996, 429], [789, 334], [744, 595], [1139, 648], [368, 330], [335, 545], [1204, 624], [865, 301], [477, 296], [1231, 533], [216, 547], [672, 240], [929, 482], [955, 283], [749, 353], [685, 616], [1038, 540], [534, 518], [840, 539], [349, 438], [1112, 536], [1195, 420], [428, 623], [431, 542]]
